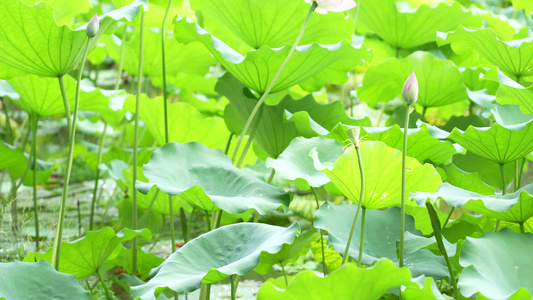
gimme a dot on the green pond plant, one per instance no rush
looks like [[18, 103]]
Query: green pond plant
[[383, 149]]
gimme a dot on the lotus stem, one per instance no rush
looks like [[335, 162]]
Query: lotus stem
[[522, 228], [361, 199], [321, 235], [361, 242], [435, 223], [95, 189], [65, 102], [448, 218], [136, 145], [273, 82], [108, 297], [56, 247], [9, 130], [165, 114], [404, 178], [284, 274], [250, 138], [233, 287], [504, 192], [34, 123], [121, 59]]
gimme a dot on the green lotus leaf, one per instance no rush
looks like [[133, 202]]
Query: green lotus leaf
[[145, 262], [523, 4], [42, 96], [510, 91], [488, 171], [464, 180], [512, 57], [420, 144], [44, 283], [347, 282], [214, 256], [422, 288], [267, 260], [15, 161], [407, 28], [185, 123], [257, 68], [154, 200], [192, 58], [231, 189], [275, 23], [382, 168], [514, 207], [279, 124], [498, 265], [295, 162], [85, 256], [497, 143], [65, 10], [439, 80], [381, 236], [32, 42]]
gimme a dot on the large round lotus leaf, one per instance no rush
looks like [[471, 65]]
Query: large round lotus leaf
[[279, 124], [439, 80], [512, 57], [257, 68], [407, 28], [65, 11], [15, 161], [32, 42], [347, 282], [42, 96], [191, 59], [451, 174], [185, 123], [510, 91], [383, 172], [85, 256], [214, 256], [500, 144], [177, 169], [382, 233], [254, 23], [24, 280], [420, 144], [497, 265], [288, 251], [515, 207], [295, 162]]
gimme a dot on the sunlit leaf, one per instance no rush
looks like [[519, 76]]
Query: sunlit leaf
[[231, 189], [214, 256], [382, 170]]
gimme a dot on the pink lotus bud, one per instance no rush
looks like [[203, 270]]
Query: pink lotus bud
[[410, 89], [323, 6], [93, 26]]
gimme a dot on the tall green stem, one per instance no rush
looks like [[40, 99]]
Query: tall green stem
[[165, 114], [504, 192], [65, 102], [95, 188], [56, 247], [360, 202], [34, 123], [448, 218], [106, 290], [435, 223], [404, 165], [135, 146], [361, 242], [255, 126], [121, 60], [284, 274], [321, 235], [233, 288], [273, 82]]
